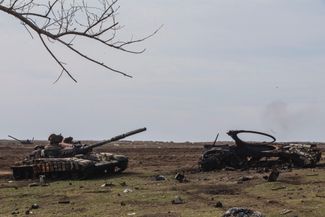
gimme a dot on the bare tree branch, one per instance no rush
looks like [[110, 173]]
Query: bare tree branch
[[56, 59], [65, 21], [60, 75]]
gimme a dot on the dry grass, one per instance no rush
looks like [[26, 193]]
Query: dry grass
[[302, 190]]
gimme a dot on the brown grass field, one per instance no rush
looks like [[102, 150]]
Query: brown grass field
[[300, 192]]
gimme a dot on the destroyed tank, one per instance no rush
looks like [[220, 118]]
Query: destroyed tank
[[23, 142], [79, 161], [244, 155]]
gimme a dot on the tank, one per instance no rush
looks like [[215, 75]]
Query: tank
[[23, 142], [64, 159], [244, 155]]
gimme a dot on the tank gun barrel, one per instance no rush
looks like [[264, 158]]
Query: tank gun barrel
[[116, 138], [24, 142], [14, 138]]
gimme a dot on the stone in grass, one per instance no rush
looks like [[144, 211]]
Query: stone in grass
[[15, 212], [35, 206], [127, 190], [245, 178], [160, 178], [123, 184], [273, 175], [107, 185], [34, 184], [181, 177], [28, 212], [242, 212], [64, 200], [178, 200], [218, 205], [285, 211]]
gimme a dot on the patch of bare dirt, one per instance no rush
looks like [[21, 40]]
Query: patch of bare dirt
[[220, 189]]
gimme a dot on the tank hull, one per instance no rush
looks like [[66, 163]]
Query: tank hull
[[69, 168]]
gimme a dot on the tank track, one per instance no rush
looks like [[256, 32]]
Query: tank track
[[55, 168]]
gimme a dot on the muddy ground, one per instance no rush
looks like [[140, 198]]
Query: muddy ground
[[298, 192]]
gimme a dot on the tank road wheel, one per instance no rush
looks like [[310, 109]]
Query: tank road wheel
[[119, 169], [302, 161], [235, 161], [216, 159], [73, 175], [23, 172], [211, 162]]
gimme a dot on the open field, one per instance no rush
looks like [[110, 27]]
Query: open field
[[137, 193]]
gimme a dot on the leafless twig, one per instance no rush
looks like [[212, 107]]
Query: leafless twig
[[64, 21]]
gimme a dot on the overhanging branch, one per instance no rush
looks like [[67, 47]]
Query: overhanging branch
[[64, 21]]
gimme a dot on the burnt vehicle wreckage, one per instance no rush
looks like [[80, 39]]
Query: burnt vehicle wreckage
[[244, 155], [64, 158]]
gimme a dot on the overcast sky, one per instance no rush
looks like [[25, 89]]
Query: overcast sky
[[216, 65]]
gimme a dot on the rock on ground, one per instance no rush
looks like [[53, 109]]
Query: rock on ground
[[242, 212]]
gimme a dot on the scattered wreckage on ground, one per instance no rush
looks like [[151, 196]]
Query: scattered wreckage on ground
[[244, 155], [64, 158]]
